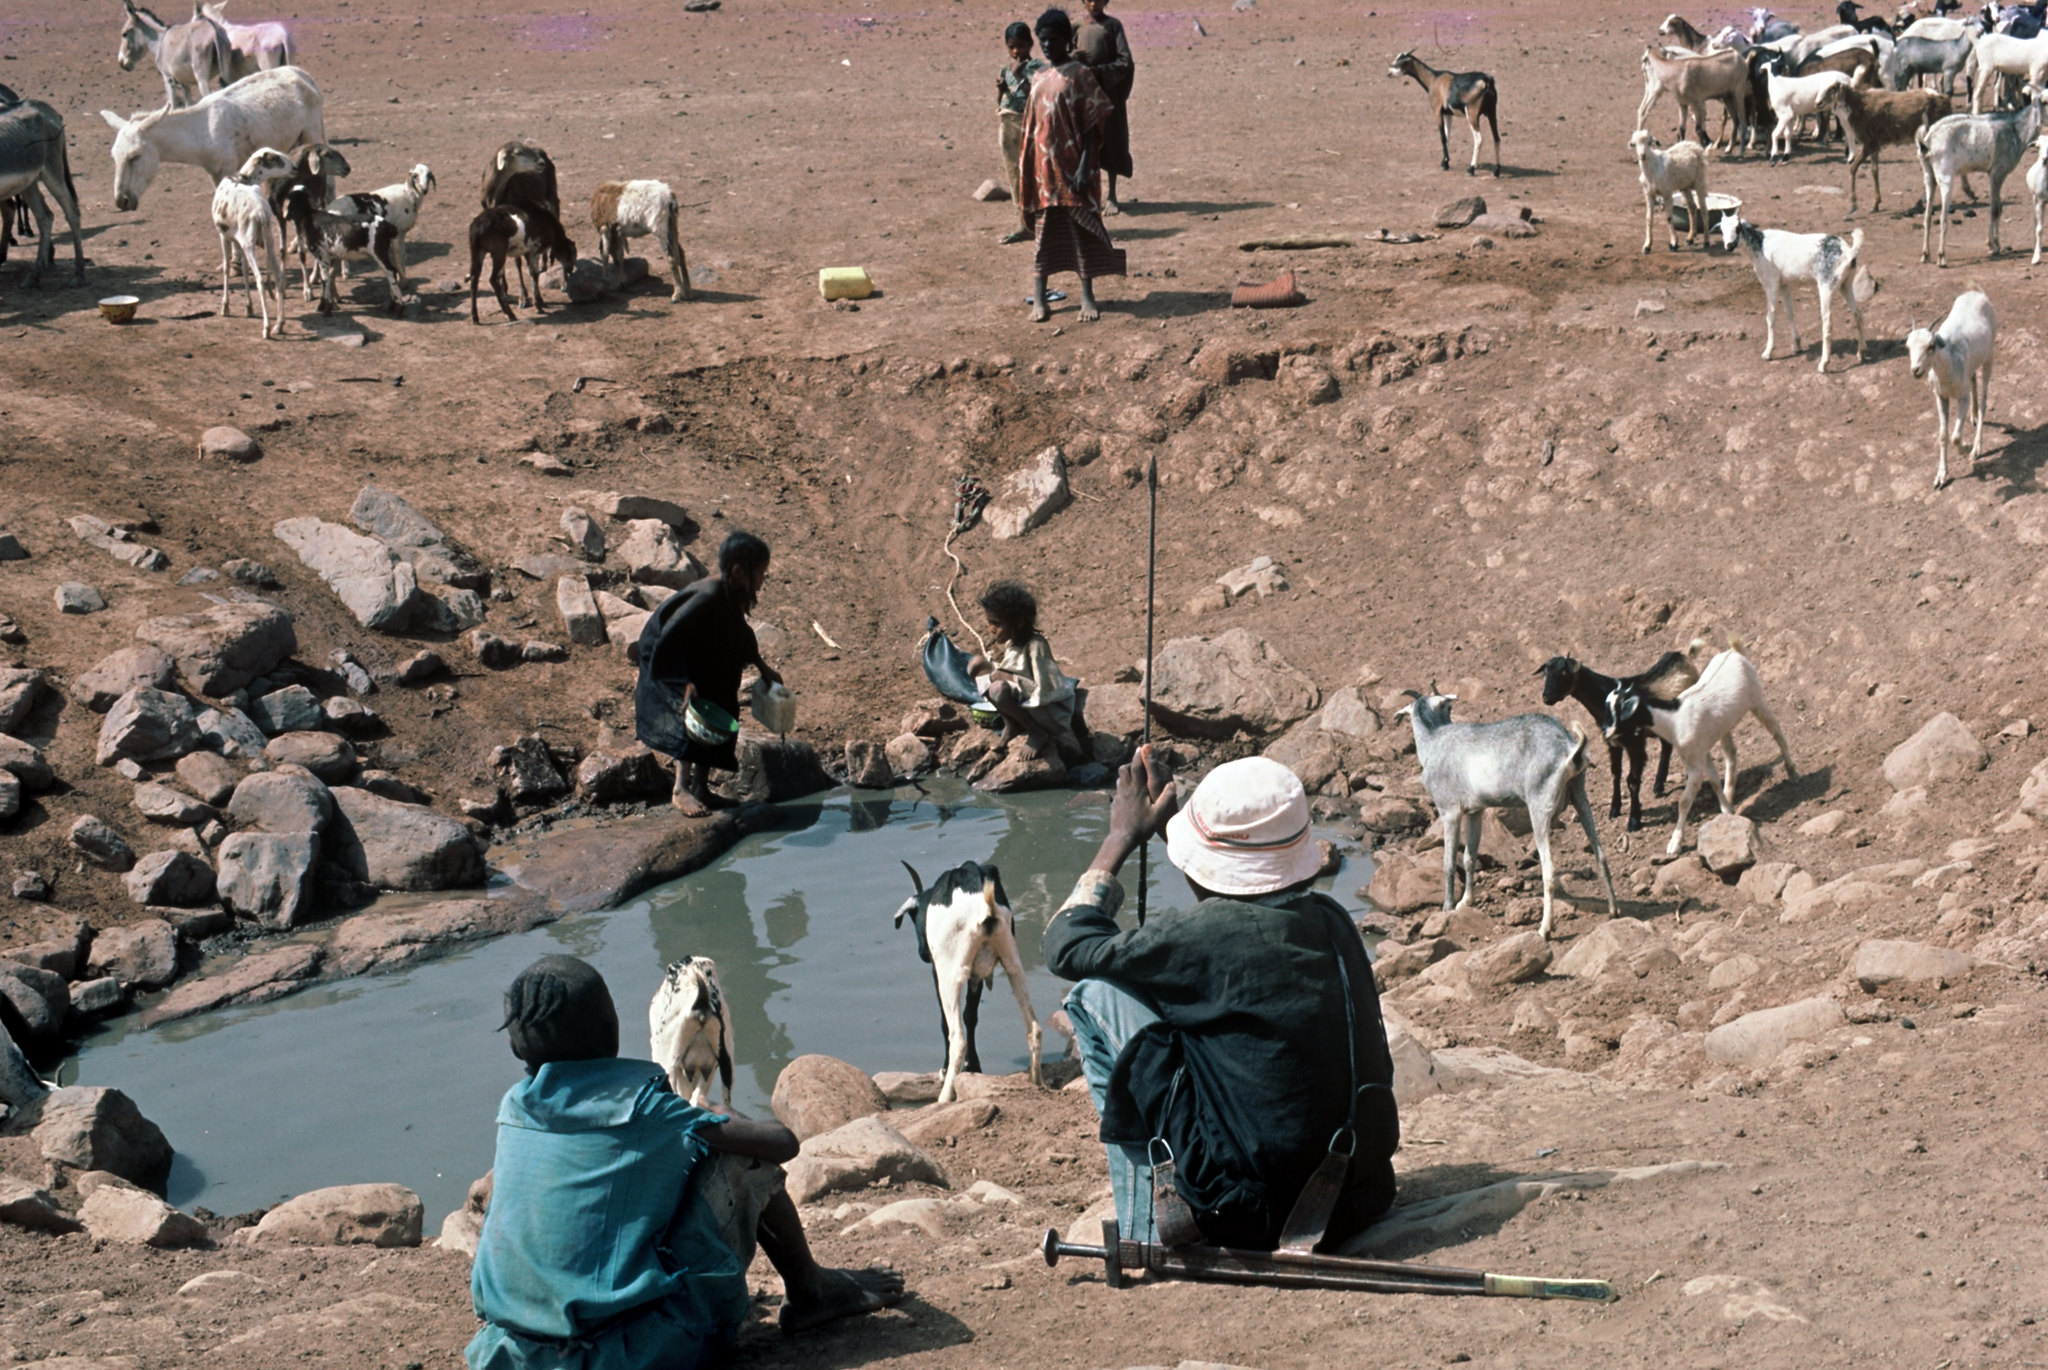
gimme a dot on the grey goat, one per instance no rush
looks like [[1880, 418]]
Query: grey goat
[[1531, 760], [1950, 149]]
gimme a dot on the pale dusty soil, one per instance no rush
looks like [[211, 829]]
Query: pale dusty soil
[[1694, 492]]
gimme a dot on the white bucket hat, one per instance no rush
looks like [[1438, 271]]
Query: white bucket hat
[[1245, 831]]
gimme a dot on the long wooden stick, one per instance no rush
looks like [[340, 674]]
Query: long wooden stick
[[1151, 581]]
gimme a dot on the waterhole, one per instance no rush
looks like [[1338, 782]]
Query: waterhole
[[397, 1077]]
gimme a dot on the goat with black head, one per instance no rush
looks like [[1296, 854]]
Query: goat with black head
[[964, 931], [1562, 675]]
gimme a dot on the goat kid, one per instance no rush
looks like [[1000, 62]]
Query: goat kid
[[964, 931], [335, 239], [1956, 361], [522, 174], [243, 218], [636, 209], [1795, 97], [316, 167], [2037, 187], [1531, 760], [1680, 172], [399, 205], [689, 1030], [1666, 677], [527, 234], [1703, 718], [1829, 262], [1473, 94]]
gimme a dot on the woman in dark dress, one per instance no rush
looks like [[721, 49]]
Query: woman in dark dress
[[1101, 45], [697, 644]]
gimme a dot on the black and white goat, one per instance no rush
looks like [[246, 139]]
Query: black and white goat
[[964, 931], [527, 234], [398, 205], [334, 239], [689, 1030], [1562, 675], [1531, 760], [1703, 718], [1829, 262], [315, 168]]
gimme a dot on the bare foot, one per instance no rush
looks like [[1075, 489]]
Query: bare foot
[[1089, 313], [842, 1294], [1039, 313], [689, 805]]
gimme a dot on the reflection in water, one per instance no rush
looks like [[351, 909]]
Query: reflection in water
[[398, 1077]]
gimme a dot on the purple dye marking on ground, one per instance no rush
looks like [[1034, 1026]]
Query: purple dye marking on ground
[[560, 33]]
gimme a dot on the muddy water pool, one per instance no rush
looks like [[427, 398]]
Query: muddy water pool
[[397, 1077]]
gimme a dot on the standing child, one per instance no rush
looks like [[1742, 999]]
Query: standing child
[[1013, 88], [1022, 681], [1102, 45], [1059, 177]]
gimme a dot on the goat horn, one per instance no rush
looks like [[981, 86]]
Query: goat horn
[[1414, 694], [916, 880]]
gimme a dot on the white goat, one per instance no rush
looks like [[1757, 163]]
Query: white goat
[[1680, 171], [399, 205], [1707, 714], [636, 209], [964, 930], [690, 1030], [2037, 186], [1531, 760], [1795, 97], [1950, 149], [1996, 55], [1956, 360], [243, 218], [1829, 262]]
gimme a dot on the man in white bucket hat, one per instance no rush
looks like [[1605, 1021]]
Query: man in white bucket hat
[[1235, 1050]]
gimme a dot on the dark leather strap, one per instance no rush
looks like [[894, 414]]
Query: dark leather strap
[[1309, 1219]]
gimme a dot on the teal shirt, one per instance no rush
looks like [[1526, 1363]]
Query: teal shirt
[[589, 1257]]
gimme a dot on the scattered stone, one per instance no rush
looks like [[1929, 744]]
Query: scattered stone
[[493, 652], [578, 608], [1260, 574], [394, 846], [249, 572], [10, 632], [23, 1205], [1765, 882], [231, 733], [10, 794], [199, 575], [526, 771], [26, 764], [266, 878], [223, 443], [1460, 213], [1021, 769], [614, 505], [655, 556], [1943, 749], [1609, 944], [548, 464], [867, 765], [991, 191], [350, 715], [209, 775], [624, 634], [1755, 1039], [140, 955], [383, 1215], [857, 1156], [101, 1129], [420, 667], [391, 787], [609, 775], [330, 758], [414, 537], [1510, 961], [909, 756], [1235, 682], [91, 998], [1503, 225], [117, 543], [946, 1123], [290, 710], [375, 584], [11, 548], [38, 998], [20, 690], [173, 878], [121, 1213], [101, 845], [75, 597], [582, 533], [222, 648], [1727, 843], [464, 1228], [148, 725], [31, 885], [1879, 964], [910, 1087], [162, 804], [1392, 815], [1031, 496], [815, 1094], [1531, 1016]]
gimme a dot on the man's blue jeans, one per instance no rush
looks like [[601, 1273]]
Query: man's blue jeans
[[1105, 1017]]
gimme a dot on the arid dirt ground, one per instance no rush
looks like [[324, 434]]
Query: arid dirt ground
[[1469, 456]]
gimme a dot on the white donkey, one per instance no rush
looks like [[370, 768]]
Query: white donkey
[[279, 109]]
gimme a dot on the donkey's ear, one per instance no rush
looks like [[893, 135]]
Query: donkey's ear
[[115, 121]]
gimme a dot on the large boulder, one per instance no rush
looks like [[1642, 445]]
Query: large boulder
[[1879, 964], [23, 1205], [281, 802], [395, 846], [140, 955], [148, 725], [857, 1156], [116, 1212], [330, 758], [130, 668], [1755, 1039], [1727, 844], [578, 608], [413, 536], [26, 764], [173, 808], [815, 1094], [293, 709], [654, 555], [774, 769], [21, 687], [98, 843], [36, 999], [97, 1129], [1031, 496], [378, 586], [1943, 749], [1236, 682], [1115, 709], [345, 1215], [173, 879], [266, 877], [231, 733], [1510, 961], [1612, 943], [225, 646], [615, 773], [527, 772]]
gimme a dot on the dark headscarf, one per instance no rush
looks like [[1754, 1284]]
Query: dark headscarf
[[558, 1009], [1055, 34]]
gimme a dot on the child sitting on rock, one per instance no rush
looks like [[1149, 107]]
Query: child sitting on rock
[[1021, 680]]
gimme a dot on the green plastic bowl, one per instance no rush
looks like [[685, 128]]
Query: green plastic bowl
[[984, 714], [709, 724]]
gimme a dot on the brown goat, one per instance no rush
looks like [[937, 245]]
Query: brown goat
[[527, 234], [1470, 93], [1877, 119]]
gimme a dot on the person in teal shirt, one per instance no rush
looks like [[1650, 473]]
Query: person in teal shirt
[[622, 1220]]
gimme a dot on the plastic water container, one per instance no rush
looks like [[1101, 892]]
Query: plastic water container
[[773, 707], [845, 283]]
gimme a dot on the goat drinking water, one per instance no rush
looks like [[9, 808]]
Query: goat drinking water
[[1531, 760], [964, 930], [690, 1030], [1956, 360]]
